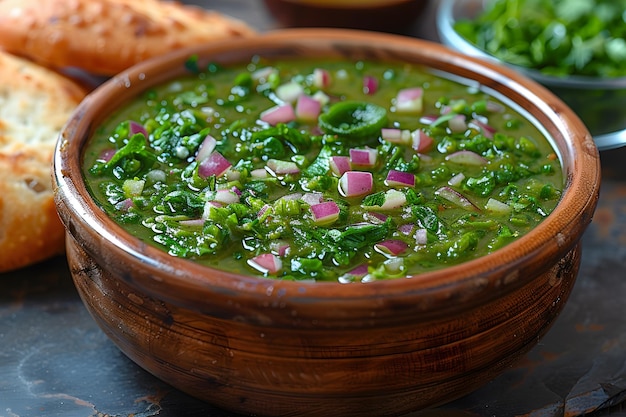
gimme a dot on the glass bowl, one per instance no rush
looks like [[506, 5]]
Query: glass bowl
[[599, 102]]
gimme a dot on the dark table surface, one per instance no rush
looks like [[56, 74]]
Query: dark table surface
[[55, 361]]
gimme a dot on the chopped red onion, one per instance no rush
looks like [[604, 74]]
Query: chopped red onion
[[370, 85], [421, 236], [193, 222], [485, 128], [457, 179], [355, 183], [339, 165], [282, 113], [377, 218], [497, 206], [457, 123], [406, 229], [259, 173], [307, 108], [400, 136], [106, 155], [410, 100], [214, 164], [266, 263], [325, 213], [363, 157], [456, 198], [262, 74], [136, 127], [289, 92], [466, 157], [206, 147], [226, 196], [393, 247], [312, 198], [400, 179], [125, 204], [279, 167], [421, 142], [321, 78], [428, 119]]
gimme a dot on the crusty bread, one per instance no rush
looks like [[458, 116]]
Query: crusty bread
[[106, 36], [35, 103]]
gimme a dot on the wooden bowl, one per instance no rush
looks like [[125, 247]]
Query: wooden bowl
[[394, 16], [272, 347]]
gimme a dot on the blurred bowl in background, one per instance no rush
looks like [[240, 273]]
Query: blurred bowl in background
[[395, 16], [599, 102]]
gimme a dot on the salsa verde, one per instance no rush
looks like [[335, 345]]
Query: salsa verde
[[326, 171]]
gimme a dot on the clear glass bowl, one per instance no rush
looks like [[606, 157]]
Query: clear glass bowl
[[599, 102]]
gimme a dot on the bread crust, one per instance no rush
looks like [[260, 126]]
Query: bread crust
[[105, 37], [35, 103]]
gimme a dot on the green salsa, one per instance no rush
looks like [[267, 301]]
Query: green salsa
[[326, 171]]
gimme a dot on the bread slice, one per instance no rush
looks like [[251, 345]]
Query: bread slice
[[35, 103], [104, 37]]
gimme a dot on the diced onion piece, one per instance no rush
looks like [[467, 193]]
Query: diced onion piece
[[262, 74], [106, 155], [393, 199], [289, 92], [133, 187], [391, 247], [322, 97], [321, 78], [457, 179], [377, 218], [282, 113], [410, 100], [206, 148], [466, 157], [355, 183], [266, 263], [394, 265], [136, 127], [339, 165], [497, 206], [208, 207], [363, 157], [125, 204], [307, 108], [484, 127], [259, 173], [312, 198], [357, 272], [400, 179], [325, 213], [226, 196], [456, 198], [263, 211], [457, 123], [370, 85], [421, 236], [192, 222], [421, 142], [406, 229], [392, 135], [428, 119], [282, 167], [214, 164], [494, 107]]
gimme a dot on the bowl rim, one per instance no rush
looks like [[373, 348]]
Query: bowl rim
[[570, 217], [445, 20]]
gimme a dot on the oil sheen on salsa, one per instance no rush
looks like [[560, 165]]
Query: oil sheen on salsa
[[325, 171]]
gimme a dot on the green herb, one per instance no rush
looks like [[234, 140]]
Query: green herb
[[557, 37]]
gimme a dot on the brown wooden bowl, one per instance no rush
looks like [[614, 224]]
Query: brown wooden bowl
[[394, 16], [272, 347]]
